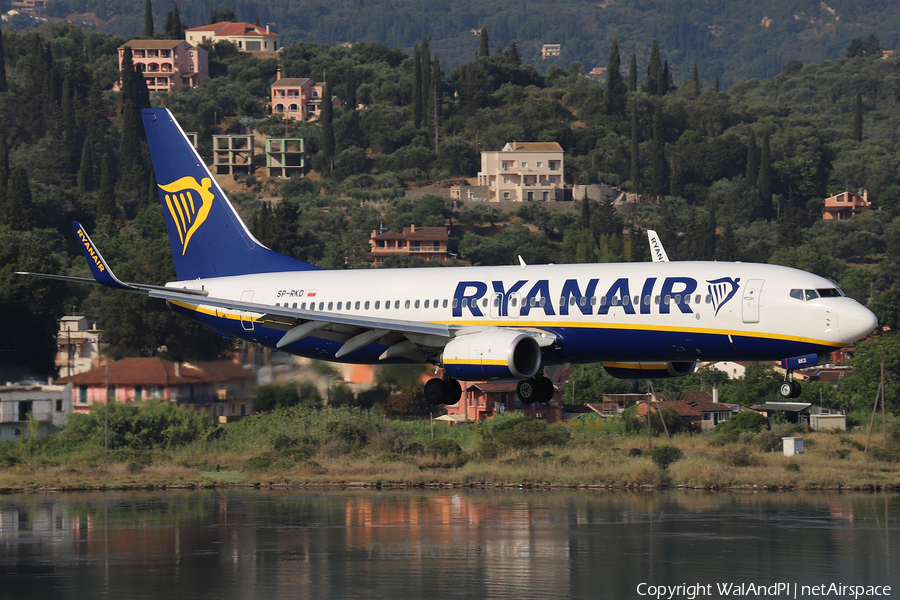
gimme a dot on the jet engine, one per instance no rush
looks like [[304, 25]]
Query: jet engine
[[492, 354], [643, 370]]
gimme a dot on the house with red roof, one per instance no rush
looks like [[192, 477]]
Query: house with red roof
[[429, 243], [247, 37], [166, 64], [220, 388], [298, 98]]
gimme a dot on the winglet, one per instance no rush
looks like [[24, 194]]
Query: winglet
[[656, 248], [99, 269]]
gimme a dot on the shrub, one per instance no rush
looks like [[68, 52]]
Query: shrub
[[443, 447], [531, 433], [847, 441], [488, 449], [393, 457], [792, 468], [740, 458], [770, 441], [747, 421], [665, 455], [635, 452]]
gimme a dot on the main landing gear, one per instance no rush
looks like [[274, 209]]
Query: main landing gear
[[442, 391], [789, 388], [535, 389]]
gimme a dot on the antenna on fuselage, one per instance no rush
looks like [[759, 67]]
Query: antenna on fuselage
[[656, 248]]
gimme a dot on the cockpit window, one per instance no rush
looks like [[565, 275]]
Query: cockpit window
[[829, 293], [811, 294], [798, 294]]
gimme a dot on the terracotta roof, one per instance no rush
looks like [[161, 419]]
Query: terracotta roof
[[679, 406], [156, 371], [291, 82], [227, 28], [426, 232], [153, 44], [534, 147]]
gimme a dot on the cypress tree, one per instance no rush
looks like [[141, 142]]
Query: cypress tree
[[70, 133], [752, 160], [664, 80], [654, 71], [764, 181], [4, 176], [675, 180], [3, 85], [106, 194], [426, 73], [717, 83], [127, 74], [635, 154], [101, 10], [512, 53], [326, 118], [86, 168], [857, 118], [417, 86], [615, 92], [435, 99], [148, 19], [658, 158], [483, 45], [351, 88], [695, 81], [19, 201], [632, 73]]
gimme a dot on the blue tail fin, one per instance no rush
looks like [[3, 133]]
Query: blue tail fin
[[207, 236]]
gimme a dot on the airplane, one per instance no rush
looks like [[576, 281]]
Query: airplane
[[502, 323]]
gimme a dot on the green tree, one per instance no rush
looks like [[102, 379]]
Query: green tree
[[418, 92], [653, 85], [615, 94], [148, 19], [764, 181], [19, 202], [632, 73], [106, 194], [326, 132], [3, 84], [635, 152], [589, 383], [658, 157], [174, 28], [483, 44], [859, 388], [857, 118], [752, 173]]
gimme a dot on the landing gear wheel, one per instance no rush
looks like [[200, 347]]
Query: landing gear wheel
[[797, 390], [786, 389], [435, 391], [527, 391], [546, 389], [454, 391]]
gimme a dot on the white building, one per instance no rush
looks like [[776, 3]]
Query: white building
[[77, 346], [47, 405], [523, 172]]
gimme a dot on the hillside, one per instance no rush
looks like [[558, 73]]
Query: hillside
[[732, 40]]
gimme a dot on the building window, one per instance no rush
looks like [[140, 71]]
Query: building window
[[252, 46], [506, 180], [506, 195], [59, 406], [191, 67], [191, 54], [138, 393], [524, 165], [82, 394], [540, 164]]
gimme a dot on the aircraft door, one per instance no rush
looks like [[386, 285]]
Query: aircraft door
[[246, 319], [496, 308], [750, 300], [513, 305]]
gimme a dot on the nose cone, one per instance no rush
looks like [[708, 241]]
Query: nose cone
[[855, 321]]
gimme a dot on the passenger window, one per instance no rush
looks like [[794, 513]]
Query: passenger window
[[541, 302], [330, 305], [397, 304], [406, 304], [646, 300], [321, 306], [637, 300], [444, 303], [571, 300], [667, 299], [387, 305], [417, 304], [484, 303], [709, 299], [582, 301], [626, 300], [593, 300], [677, 299], [465, 303], [303, 306], [656, 300], [496, 301], [277, 304], [697, 299], [602, 300], [798, 294], [426, 303], [339, 305], [455, 303], [614, 301], [515, 300], [687, 298], [436, 303], [562, 301], [811, 294], [366, 305], [377, 304], [356, 307]]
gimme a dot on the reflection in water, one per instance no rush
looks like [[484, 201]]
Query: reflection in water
[[249, 543]]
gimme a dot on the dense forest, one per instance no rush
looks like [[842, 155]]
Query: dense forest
[[732, 40], [727, 175]]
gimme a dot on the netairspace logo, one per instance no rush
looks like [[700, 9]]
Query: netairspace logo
[[774, 590]]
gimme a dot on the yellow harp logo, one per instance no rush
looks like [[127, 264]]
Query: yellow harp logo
[[188, 203]]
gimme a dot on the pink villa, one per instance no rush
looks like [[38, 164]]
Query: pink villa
[[166, 64], [430, 243], [247, 37], [845, 205], [298, 99], [222, 389]]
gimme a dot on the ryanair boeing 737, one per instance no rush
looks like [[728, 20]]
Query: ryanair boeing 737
[[640, 320]]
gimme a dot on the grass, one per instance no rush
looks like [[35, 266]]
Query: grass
[[349, 446]]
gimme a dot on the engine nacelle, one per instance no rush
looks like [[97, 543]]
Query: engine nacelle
[[492, 354], [639, 370]]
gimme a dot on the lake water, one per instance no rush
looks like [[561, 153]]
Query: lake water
[[241, 543]]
